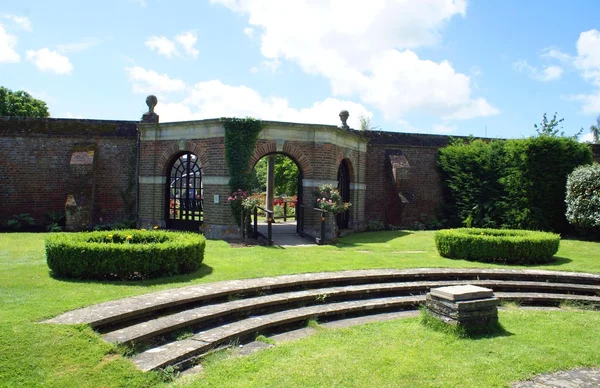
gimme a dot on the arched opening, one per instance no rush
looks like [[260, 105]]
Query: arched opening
[[183, 198], [344, 188], [286, 190]]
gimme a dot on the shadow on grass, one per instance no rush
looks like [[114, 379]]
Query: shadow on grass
[[201, 272], [371, 238], [475, 332]]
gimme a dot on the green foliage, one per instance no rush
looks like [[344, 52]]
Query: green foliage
[[20, 220], [240, 139], [583, 199], [513, 183], [126, 254], [549, 128], [21, 104], [472, 175], [118, 225], [497, 245], [285, 174]]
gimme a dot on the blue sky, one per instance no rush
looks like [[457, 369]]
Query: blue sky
[[431, 66]]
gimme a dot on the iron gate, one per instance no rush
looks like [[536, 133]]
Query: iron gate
[[183, 204], [344, 188]]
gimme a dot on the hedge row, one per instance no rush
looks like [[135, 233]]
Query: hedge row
[[124, 254], [517, 183], [497, 245]]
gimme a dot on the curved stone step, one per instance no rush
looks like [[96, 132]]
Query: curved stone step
[[539, 298], [180, 351], [129, 308], [154, 327], [202, 342]]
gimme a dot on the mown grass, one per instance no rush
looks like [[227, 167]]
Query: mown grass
[[404, 353], [33, 354]]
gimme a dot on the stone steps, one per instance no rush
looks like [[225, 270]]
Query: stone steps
[[129, 308], [178, 351], [222, 312], [168, 323]]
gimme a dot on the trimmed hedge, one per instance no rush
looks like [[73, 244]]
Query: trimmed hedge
[[515, 184], [497, 245], [124, 254]]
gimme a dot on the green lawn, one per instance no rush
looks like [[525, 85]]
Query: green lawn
[[33, 355]]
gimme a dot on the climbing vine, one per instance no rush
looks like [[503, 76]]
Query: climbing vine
[[240, 139]]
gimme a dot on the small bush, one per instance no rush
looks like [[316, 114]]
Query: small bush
[[124, 254], [583, 199], [497, 245]]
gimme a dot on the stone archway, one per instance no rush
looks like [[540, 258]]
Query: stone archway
[[183, 192]]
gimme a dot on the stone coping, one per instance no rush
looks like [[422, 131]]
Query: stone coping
[[116, 310], [192, 316]]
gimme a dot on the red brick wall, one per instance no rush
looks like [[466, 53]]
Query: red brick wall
[[422, 187], [34, 166]]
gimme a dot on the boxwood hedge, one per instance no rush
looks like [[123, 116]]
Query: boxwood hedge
[[124, 254], [497, 245]]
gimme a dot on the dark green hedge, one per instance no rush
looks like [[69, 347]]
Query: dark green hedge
[[124, 254], [497, 245], [517, 184]]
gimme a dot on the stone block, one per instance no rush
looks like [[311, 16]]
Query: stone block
[[465, 292]]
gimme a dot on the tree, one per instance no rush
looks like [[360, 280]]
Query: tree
[[285, 176], [21, 104], [366, 124], [552, 128], [595, 130]]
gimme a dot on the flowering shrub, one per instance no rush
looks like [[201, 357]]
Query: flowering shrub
[[252, 201], [583, 199], [329, 199], [238, 196]]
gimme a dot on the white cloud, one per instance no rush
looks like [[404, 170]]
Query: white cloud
[[365, 50], [70, 115], [249, 32], [591, 102], [149, 81], [78, 46], [8, 54], [272, 65], [188, 40], [168, 48], [254, 70], [163, 45], [588, 55], [48, 60], [587, 137], [546, 74], [444, 128], [212, 99], [554, 53], [21, 21]]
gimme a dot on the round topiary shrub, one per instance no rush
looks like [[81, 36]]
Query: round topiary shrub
[[124, 254], [497, 245], [583, 199]]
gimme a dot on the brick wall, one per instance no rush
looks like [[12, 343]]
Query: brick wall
[[421, 187], [34, 166]]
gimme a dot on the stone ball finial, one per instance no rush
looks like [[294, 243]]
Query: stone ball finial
[[151, 101], [344, 117]]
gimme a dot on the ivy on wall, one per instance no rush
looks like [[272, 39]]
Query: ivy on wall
[[240, 140]]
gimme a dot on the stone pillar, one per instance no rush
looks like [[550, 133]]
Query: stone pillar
[[270, 181]]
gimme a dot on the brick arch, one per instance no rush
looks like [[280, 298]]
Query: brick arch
[[288, 149], [351, 171], [167, 156]]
